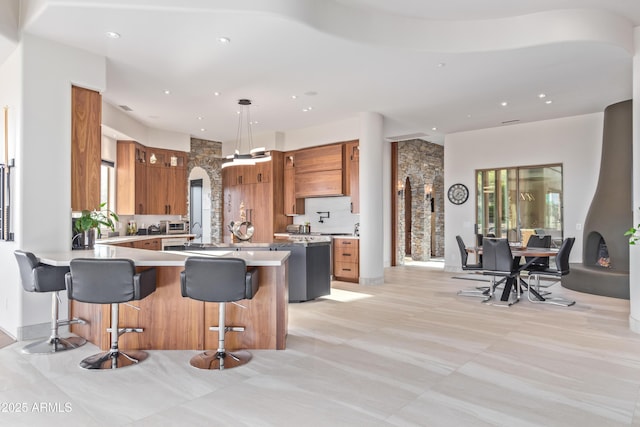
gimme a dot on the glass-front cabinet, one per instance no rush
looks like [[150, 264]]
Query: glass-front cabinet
[[520, 201]]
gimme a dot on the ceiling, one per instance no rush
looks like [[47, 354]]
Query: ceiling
[[429, 67]]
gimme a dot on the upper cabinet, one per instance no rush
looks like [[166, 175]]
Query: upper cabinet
[[292, 205], [86, 118], [318, 171], [151, 181], [131, 178], [352, 174]]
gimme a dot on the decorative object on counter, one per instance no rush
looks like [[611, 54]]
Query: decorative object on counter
[[243, 230], [356, 229], [132, 228], [89, 224], [254, 155]]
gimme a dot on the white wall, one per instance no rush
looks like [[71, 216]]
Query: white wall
[[576, 142], [42, 196], [10, 96]]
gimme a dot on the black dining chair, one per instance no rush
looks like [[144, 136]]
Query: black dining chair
[[554, 275], [497, 261], [479, 291], [538, 241]]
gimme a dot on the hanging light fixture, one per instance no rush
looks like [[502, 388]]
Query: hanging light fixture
[[253, 155]]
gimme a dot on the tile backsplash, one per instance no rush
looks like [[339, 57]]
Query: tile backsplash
[[340, 220]]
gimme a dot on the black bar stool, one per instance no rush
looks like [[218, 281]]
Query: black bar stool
[[38, 277], [110, 281], [219, 280]]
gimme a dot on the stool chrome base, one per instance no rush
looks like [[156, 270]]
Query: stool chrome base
[[113, 359], [220, 360], [54, 345]]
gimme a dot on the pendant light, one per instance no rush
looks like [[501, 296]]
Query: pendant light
[[252, 155]]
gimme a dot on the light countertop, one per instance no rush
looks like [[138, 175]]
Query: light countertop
[[138, 238], [146, 258]]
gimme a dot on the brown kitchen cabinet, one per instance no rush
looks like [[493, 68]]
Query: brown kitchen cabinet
[[157, 187], [352, 174], [292, 205], [319, 184], [316, 159], [319, 171], [346, 259], [86, 118], [131, 178], [259, 187]]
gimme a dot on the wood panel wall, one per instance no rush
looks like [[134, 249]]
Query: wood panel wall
[[86, 119]]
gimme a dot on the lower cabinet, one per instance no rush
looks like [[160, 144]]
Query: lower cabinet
[[149, 244], [346, 259]]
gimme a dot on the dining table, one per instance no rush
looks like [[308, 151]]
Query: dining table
[[518, 251]]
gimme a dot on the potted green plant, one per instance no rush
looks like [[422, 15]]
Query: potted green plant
[[633, 234], [89, 222]]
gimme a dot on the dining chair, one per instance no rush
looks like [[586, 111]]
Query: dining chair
[[497, 261], [538, 241], [479, 291], [554, 275]]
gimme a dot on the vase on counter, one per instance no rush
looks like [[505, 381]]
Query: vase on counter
[[85, 239]]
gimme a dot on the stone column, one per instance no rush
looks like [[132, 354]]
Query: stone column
[[371, 199], [634, 253]]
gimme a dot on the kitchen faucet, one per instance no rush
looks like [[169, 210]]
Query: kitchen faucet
[[323, 217]]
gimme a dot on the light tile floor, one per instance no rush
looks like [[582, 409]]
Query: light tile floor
[[407, 353]]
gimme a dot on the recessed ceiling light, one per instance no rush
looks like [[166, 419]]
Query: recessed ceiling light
[[202, 129], [112, 35], [504, 103], [224, 40], [167, 92], [305, 110], [200, 117], [442, 64], [294, 96], [216, 93], [548, 101], [434, 128], [468, 116], [542, 95]]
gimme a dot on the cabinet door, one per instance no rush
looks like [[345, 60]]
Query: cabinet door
[[140, 198], [317, 184], [318, 159], [86, 117], [346, 262], [353, 175], [262, 172], [157, 190], [176, 192], [292, 205]]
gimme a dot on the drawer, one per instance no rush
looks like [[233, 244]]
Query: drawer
[[347, 254], [347, 270]]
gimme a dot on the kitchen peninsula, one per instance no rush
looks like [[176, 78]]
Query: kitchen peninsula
[[171, 322]]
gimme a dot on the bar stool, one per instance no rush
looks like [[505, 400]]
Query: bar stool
[[219, 280], [110, 281], [36, 277]]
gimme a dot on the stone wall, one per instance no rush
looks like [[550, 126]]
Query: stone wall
[[207, 155], [422, 162]]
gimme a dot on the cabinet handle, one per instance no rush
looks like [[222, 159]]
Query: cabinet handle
[[346, 269], [351, 208], [259, 177], [346, 254]]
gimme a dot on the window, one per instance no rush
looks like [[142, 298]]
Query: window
[[518, 202], [107, 184]]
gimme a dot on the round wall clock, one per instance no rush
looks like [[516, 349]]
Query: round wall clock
[[458, 194]]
